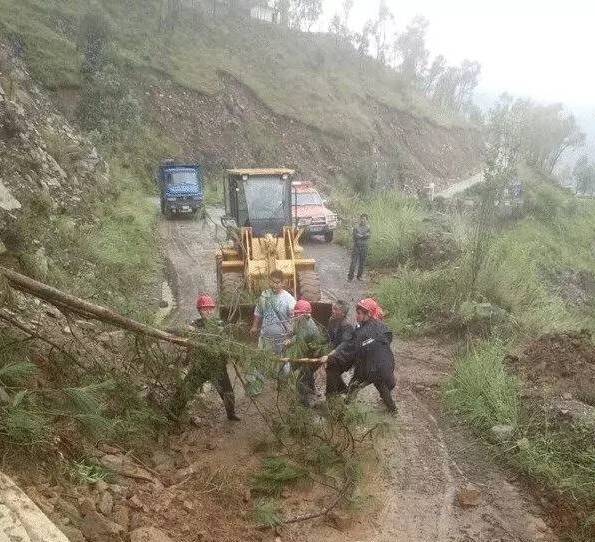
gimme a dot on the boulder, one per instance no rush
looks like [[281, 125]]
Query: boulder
[[106, 503], [468, 496], [149, 534], [96, 528], [122, 465]]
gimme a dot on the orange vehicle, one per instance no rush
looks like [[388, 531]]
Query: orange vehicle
[[311, 213]]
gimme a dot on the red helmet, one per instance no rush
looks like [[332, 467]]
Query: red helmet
[[205, 301], [371, 306], [302, 307]]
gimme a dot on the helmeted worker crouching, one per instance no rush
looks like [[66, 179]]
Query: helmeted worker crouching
[[368, 352]]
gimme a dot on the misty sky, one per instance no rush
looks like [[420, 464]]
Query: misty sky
[[539, 48]]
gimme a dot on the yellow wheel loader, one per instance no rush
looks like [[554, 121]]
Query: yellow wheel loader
[[264, 237]]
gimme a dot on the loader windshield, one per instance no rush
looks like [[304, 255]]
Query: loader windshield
[[267, 204]]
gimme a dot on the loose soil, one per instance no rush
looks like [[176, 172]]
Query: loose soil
[[560, 363]]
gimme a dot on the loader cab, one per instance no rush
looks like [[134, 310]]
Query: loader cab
[[259, 199]]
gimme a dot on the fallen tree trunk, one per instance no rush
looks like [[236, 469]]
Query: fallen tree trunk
[[70, 303], [76, 305]]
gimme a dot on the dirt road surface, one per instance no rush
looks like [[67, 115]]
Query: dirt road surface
[[425, 460]]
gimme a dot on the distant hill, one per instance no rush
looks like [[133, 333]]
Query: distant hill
[[243, 91]]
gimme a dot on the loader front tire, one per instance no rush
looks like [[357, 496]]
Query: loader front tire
[[231, 286], [309, 286]]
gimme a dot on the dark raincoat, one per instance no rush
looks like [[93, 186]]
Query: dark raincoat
[[369, 353]]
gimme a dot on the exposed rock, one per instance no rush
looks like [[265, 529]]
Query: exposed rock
[[124, 466], [339, 520], [121, 516], [106, 503], [148, 534], [468, 496], [96, 528], [7, 201], [72, 533], [502, 432]]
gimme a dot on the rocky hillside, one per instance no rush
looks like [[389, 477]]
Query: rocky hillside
[[49, 172], [234, 127], [239, 92]]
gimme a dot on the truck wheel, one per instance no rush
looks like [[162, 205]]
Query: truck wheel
[[328, 236], [309, 286]]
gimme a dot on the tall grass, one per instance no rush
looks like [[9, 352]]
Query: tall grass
[[520, 272], [482, 391], [395, 220], [415, 298]]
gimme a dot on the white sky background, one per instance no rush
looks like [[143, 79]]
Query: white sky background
[[544, 49]]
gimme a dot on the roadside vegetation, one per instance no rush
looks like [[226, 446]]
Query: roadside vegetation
[[497, 283]]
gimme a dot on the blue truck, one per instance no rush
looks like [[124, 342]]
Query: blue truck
[[181, 187]]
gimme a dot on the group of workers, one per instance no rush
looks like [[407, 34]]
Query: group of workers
[[285, 327]]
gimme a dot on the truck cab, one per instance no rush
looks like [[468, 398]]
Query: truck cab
[[311, 212], [181, 187]]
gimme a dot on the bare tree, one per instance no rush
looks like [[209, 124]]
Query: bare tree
[[410, 47], [538, 134], [380, 29]]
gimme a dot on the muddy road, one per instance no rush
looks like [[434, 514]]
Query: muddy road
[[424, 461]]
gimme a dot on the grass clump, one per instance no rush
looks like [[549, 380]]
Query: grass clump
[[563, 458], [267, 513], [415, 299], [113, 257], [559, 455], [482, 391]]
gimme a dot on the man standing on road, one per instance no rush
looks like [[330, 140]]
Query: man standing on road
[[272, 315], [361, 236]]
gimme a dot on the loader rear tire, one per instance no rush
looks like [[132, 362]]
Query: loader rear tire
[[309, 286]]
